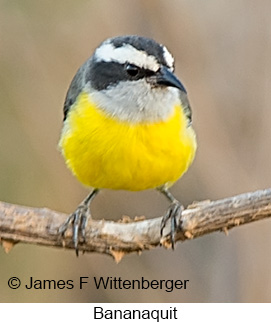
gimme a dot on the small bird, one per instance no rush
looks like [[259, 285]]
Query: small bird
[[127, 126]]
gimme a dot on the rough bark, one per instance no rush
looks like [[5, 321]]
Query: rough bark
[[40, 225]]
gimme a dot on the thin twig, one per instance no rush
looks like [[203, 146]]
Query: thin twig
[[40, 225]]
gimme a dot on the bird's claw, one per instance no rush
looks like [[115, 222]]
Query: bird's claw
[[174, 211], [78, 219]]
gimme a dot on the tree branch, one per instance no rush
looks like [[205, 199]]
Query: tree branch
[[40, 225]]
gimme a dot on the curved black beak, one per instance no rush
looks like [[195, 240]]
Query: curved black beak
[[165, 77]]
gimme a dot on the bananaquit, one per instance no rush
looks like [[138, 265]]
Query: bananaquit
[[127, 125]]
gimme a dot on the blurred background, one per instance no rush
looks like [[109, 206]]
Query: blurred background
[[223, 57]]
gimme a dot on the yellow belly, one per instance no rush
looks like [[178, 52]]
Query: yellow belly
[[103, 152]]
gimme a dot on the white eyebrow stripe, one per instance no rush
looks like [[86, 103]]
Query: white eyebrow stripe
[[168, 57], [127, 53]]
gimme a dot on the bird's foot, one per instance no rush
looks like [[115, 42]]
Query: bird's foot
[[78, 219], [174, 211]]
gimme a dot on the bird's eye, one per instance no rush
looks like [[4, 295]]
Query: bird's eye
[[132, 70]]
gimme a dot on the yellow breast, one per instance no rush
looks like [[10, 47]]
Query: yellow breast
[[103, 152]]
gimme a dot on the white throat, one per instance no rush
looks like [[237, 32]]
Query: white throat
[[136, 101]]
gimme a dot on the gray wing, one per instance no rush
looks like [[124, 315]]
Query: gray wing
[[186, 107], [77, 85]]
